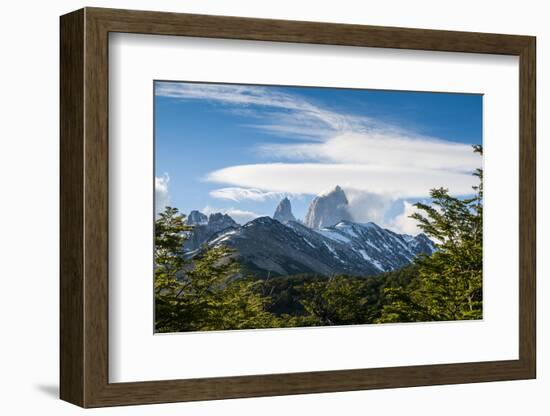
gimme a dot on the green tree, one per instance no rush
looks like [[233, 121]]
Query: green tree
[[203, 293], [339, 300], [449, 283]]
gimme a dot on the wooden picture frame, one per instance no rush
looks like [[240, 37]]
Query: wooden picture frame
[[84, 207]]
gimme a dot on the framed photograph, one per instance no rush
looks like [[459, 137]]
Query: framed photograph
[[257, 207]]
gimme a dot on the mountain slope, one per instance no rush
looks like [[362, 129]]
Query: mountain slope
[[267, 247]]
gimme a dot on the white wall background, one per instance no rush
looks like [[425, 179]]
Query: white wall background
[[29, 209]]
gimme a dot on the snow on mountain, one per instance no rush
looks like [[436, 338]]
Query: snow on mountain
[[385, 249], [267, 247]]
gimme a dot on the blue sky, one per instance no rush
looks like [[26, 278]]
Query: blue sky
[[241, 148]]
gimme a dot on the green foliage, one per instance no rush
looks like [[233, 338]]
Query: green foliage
[[313, 300], [339, 301], [449, 283], [169, 257]]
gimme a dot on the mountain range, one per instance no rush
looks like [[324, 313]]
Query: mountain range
[[328, 243]]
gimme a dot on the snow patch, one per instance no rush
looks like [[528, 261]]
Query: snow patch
[[331, 249], [347, 228], [223, 237], [333, 235], [309, 242], [368, 258]]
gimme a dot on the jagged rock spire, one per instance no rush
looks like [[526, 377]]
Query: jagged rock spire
[[196, 218], [283, 213], [327, 210]]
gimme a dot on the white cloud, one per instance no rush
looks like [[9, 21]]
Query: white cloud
[[240, 194], [162, 197], [402, 223], [240, 216], [228, 93], [379, 148], [337, 149], [315, 178], [367, 206], [293, 115]]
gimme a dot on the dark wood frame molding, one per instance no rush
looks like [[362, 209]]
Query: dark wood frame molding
[[84, 207]]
